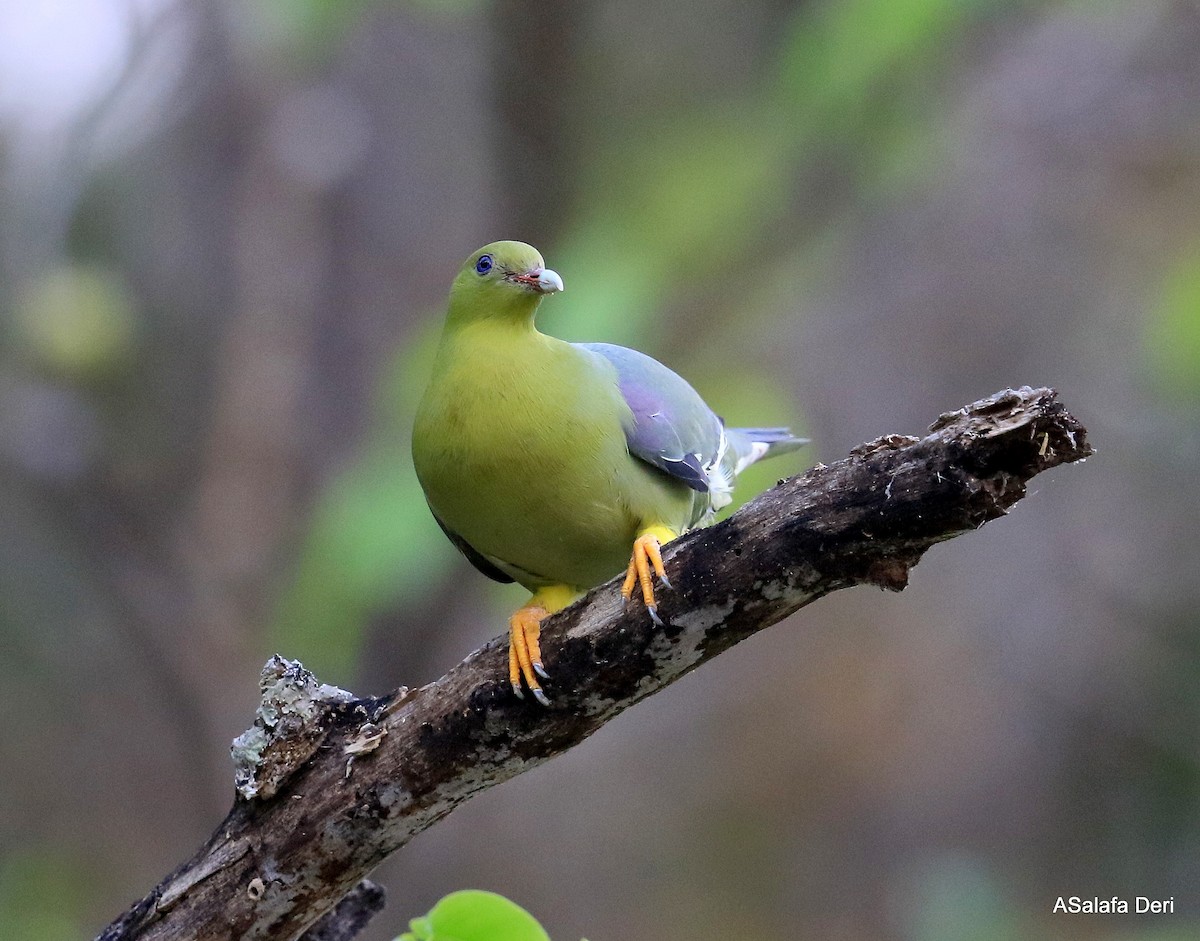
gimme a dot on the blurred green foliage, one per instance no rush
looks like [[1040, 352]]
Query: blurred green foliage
[[77, 322], [679, 207], [960, 900], [308, 32], [43, 895], [1173, 330], [367, 548], [737, 200]]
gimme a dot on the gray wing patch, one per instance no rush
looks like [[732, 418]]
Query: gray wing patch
[[672, 429]]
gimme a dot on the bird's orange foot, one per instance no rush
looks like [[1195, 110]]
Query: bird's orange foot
[[524, 629], [646, 563], [525, 653]]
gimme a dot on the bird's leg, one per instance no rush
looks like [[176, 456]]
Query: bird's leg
[[524, 628], [645, 563]]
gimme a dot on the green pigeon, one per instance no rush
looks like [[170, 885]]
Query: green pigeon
[[557, 465]]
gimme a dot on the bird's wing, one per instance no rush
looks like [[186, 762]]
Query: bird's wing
[[672, 428], [474, 556]]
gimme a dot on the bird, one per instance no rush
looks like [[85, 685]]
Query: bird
[[558, 465]]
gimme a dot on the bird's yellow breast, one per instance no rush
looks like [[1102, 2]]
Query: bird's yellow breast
[[519, 446]]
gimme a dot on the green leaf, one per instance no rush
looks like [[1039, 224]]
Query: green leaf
[[474, 915]]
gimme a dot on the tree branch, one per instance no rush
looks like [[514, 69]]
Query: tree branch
[[330, 785]]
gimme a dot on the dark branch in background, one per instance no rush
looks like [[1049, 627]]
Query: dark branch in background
[[534, 100], [349, 916], [330, 785]]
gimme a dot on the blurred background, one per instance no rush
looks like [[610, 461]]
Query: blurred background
[[226, 234]]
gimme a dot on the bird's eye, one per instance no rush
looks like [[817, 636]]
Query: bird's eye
[[484, 265]]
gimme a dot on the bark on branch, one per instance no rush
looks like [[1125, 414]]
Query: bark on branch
[[339, 783]]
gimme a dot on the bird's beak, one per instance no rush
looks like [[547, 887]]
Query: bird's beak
[[541, 280]]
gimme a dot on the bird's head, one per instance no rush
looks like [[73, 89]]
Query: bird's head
[[500, 278]]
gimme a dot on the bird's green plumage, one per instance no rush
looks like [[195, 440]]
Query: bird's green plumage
[[523, 442], [518, 442]]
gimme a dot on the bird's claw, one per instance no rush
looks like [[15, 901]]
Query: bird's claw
[[645, 564], [524, 652]]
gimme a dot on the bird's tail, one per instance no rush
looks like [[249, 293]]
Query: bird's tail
[[753, 444]]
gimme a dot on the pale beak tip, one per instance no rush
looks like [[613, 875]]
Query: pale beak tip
[[548, 281]]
